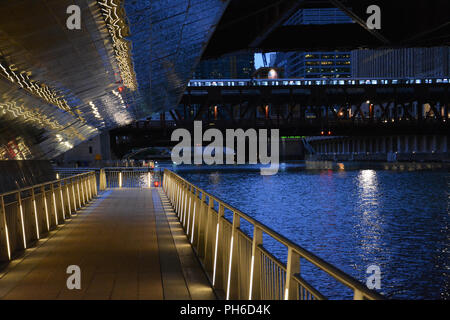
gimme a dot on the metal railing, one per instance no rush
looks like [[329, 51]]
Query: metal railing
[[28, 214], [239, 265], [118, 177]]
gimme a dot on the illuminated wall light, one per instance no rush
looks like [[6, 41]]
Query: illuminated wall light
[[149, 181], [120, 179]]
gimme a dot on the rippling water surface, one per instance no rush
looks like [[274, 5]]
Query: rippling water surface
[[398, 221]]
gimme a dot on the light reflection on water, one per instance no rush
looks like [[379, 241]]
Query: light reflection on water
[[352, 219]]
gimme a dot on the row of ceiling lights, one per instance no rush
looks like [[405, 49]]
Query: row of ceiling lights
[[115, 26], [41, 90]]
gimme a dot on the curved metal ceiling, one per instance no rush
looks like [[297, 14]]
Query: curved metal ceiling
[[59, 87]]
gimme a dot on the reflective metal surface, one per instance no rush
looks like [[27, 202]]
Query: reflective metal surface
[[59, 87]]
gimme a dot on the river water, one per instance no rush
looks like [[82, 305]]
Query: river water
[[395, 220]]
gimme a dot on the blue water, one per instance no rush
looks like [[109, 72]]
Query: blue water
[[398, 221]]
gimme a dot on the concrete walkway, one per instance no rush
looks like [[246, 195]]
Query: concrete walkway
[[128, 245]]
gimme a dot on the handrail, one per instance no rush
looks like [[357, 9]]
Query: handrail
[[172, 180], [29, 218], [42, 184]]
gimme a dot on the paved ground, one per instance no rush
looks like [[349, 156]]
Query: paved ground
[[128, 244]]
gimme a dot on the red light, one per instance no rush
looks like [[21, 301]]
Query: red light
[[120, 89], [321, 132], [156, 184], [329, 133]]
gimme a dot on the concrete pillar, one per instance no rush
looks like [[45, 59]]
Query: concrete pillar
[[406, 144], [399, 144]]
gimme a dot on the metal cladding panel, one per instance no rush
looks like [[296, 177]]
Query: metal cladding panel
[[168, 39], [60, 87]]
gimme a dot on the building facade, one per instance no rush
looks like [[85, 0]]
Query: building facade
[[238, 66], [329, 64], [401, 63]]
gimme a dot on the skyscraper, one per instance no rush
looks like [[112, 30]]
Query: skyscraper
[[228, 67], [401, 63], [329, 64]]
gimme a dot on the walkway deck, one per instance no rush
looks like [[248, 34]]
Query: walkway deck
[[128, 244]]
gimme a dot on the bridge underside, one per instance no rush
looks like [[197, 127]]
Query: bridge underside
[[129, 59], [405, 23], [61, 86]]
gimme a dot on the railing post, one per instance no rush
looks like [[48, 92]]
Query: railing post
[[21, 222], [63, 210], [81, 182], [233, 262], [255, 267], [102, 180], [75, 207], [357, 295], [292, 268], [88, 186], [36, 220], [203, 210], [54, 205], [44, 201], [208, 243], [94, 183], [190, 213], [5, 249], [69, 204], [218, 275], [78, 192]]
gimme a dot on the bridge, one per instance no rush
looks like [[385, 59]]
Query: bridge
[[136, 234]]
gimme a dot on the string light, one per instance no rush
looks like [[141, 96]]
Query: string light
[[117, 29]]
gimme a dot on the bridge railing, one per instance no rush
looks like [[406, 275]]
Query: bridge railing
[[239, 265], [29, 214], [119, 177]]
